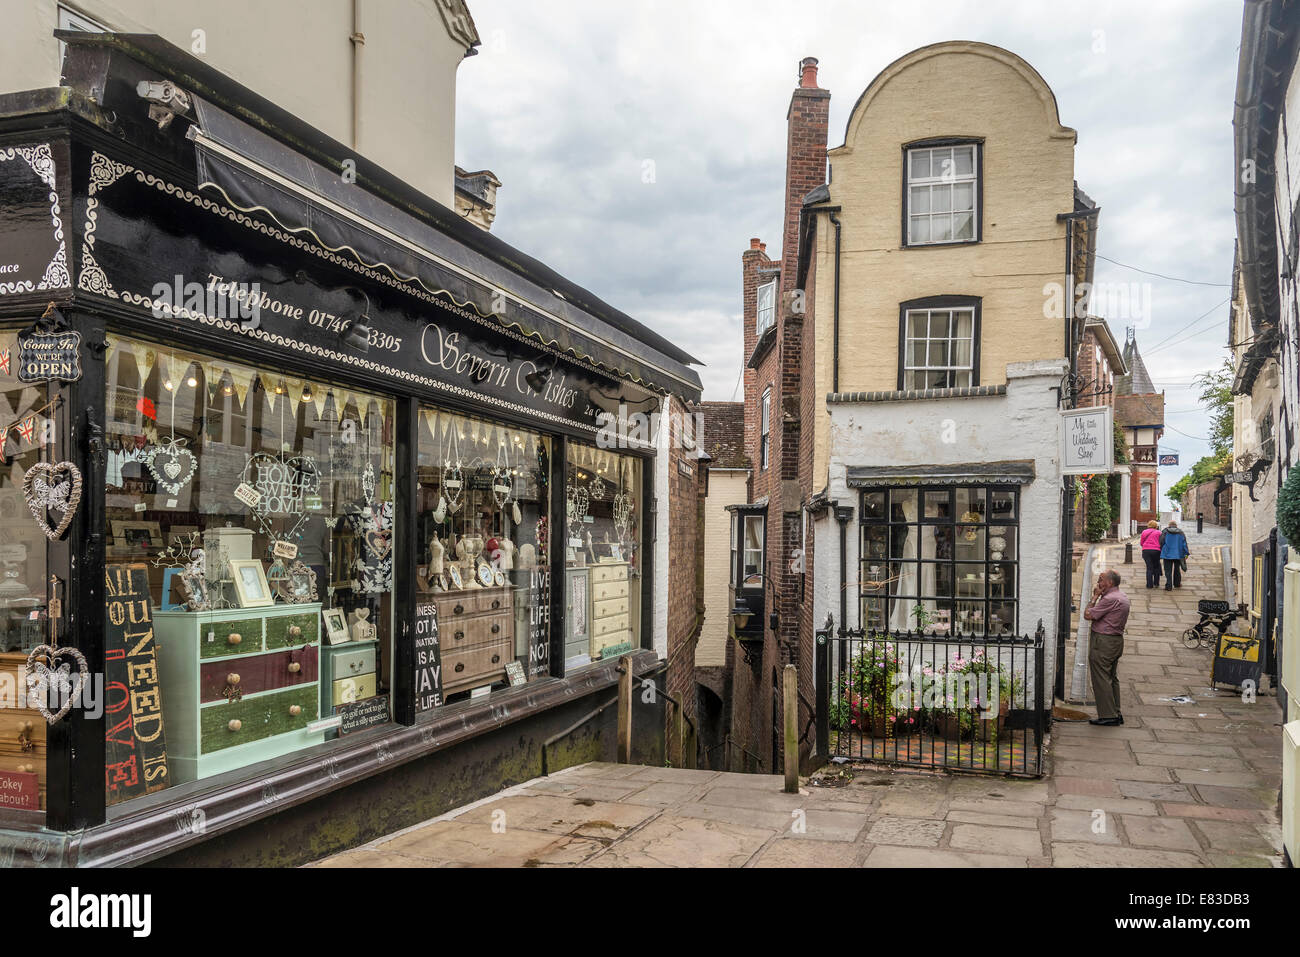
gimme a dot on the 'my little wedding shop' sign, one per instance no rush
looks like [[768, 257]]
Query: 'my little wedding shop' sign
[[1087, 441]]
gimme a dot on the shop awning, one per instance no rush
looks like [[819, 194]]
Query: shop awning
[[976, 473], [253, 172]]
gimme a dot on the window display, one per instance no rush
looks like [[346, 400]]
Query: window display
[[483, 578], [942, 561], [602, 549], [27, 420], [250, 503]]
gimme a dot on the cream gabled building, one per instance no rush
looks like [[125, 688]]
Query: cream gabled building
[[937, 258]]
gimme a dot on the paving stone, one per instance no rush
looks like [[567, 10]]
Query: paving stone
[[993, 820], [1100, 855], [998, 806], [1166, 833], [600, 791], [1016, 842], [1220, 859], [1155, 791], [665, 794], [1066, 784], [775, 822], [980, 786], [912, 832], [1234, 837], [911, 805], [1261, 798], [1227, 779], [787, 852], [893, 856], [473, 845], [1111, 805], [828, 826], [1096, 826], [1194, 762], [1184, 748], [561, 814], [1209, 813], [1121, 772], [602, 769], [676, 775], [674, 841], [776, 800]]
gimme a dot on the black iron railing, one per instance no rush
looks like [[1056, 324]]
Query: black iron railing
[[958, 703]]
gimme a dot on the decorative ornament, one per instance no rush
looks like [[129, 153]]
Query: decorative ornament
[[282, 484], [179, 554], [368, 482], [577, 505], [515, 513], [440, 513], [598, 489], [55, 487], [453, 478], [47, 674], [502, 485], [298, 585], [172, 465]]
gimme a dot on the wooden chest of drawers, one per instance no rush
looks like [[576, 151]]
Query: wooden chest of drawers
[[22, 730], [269, 656], [476, 635]]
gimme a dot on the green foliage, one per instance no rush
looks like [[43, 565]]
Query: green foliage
[[1097, 519], [1116, 490], [1288, 506], [1212, 466], [1121, 445], [1216, 393]]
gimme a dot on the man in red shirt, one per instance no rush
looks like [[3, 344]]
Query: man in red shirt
[[1108, 612]]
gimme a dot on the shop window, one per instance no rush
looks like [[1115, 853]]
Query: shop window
[[27, 434], [482, 572], [603, 559], [943, 560], [250, 516]]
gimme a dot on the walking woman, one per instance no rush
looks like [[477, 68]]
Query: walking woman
[[1174, 552], [1150, 542]]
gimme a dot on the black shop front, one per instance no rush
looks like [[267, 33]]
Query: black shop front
[[308, 514]]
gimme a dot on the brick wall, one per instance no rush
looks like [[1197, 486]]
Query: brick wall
[[1200, 498], [685, 578]]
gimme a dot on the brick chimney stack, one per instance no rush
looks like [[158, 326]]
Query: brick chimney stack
[[805, 158]]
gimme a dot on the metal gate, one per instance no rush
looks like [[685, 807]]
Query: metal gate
[[955, 703]]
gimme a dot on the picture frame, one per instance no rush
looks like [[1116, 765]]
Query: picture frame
[[299, 587], [336, 625], [170, 601], [453, 577], [138, 537], [195, 590], [251, 588]]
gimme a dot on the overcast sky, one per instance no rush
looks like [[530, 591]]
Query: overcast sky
[[571, 103]]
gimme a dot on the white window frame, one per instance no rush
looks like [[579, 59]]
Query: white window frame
[[765, 299], [942, 184], [70, 19], [955, 370], [756, 579], [764, 428]]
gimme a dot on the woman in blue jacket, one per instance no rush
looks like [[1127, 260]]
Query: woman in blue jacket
[[1173, 552]]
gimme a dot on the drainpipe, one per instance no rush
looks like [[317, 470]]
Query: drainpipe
[[835, 360], [358, 40]]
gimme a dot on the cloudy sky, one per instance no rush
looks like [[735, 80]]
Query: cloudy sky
[[571, 103]]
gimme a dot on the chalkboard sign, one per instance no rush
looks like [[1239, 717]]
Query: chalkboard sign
[[359, 715], [1212, 606], [428, 658], [135, 748]]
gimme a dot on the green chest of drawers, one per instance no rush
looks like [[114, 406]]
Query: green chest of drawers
[[240, 685]]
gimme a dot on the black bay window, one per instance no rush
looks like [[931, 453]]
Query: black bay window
[[941, 560]]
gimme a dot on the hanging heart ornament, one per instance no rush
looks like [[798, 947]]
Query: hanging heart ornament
[[48, 678], [171, 464], [379, 543], [52, 487]]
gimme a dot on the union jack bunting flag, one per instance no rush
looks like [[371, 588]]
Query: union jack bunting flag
[[4, 361], [27, 428]]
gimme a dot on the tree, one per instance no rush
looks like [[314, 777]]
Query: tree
[[1097, 519], [1216, 394], [1211, 466]]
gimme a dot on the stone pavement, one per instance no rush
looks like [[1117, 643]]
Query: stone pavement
[[1181, 784]]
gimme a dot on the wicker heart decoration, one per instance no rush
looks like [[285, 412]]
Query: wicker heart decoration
[[378, 543], [52, 487], [47, 674]]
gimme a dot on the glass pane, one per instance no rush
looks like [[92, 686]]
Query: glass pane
[[940, 323], [920, 199], [902, 505], [915, 352], [916, 325], [961, 352], [873, 505], [963, 324], [267, 500], [970, 617], [940, 229], [940, 199], [964, 160], [1002, 621], [938, 355], [970, 504], [1002, 543], [961, 380], [920, 163], [1002, 504], [969, 544], [1002, 580], [920, 232], [963, 226], [484, 489], [963, 197], [603, 559], [936, 504], [936, 579]]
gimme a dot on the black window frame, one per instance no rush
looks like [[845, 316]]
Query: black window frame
[[885, 519], [906, 195], [947, 301]]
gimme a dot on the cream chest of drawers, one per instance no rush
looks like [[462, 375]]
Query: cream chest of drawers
[[611, 607], [476, 636]]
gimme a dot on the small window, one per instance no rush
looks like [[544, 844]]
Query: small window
[[752, 571], [766, 308], [939, 348], [71, 20], [764, 439], [942, 194], [1144, 502], [734, 555]]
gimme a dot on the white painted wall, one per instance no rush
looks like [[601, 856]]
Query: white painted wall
[[298, 56], [1022, 425], [726, 487]]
